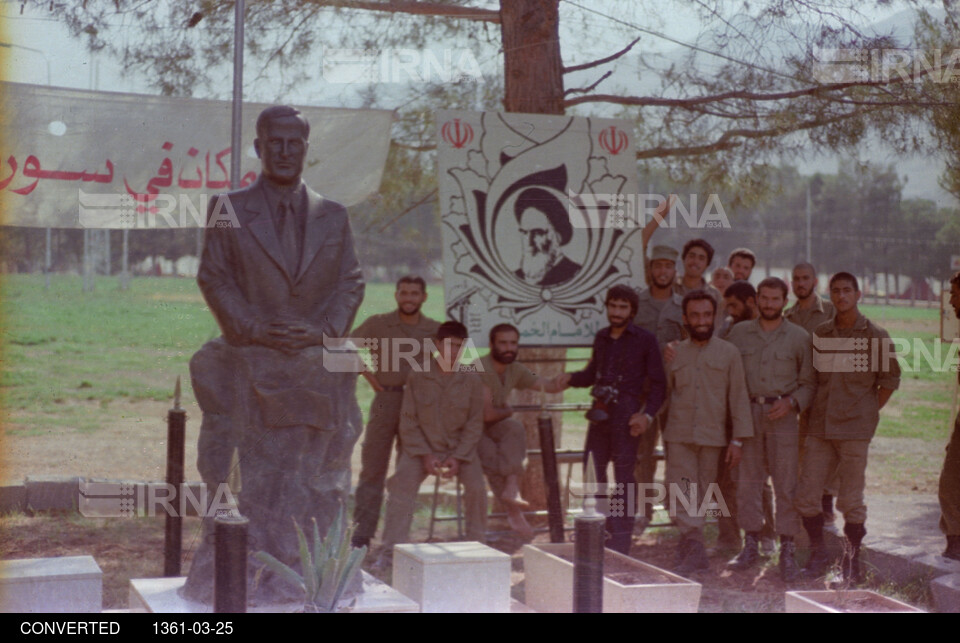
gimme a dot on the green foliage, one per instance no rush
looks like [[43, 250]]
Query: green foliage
[[329, 565]]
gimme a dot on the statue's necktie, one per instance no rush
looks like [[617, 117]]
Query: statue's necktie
[[290, 241]]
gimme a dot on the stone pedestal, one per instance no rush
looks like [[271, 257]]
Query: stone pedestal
[[53, 585], [453, 577]]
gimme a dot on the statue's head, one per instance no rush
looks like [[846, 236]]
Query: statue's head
[[282, 143]]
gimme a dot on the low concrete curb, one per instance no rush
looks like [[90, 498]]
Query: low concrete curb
[[946, 593], [64, 493]]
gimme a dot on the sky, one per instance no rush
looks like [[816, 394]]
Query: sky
[[43, 52]]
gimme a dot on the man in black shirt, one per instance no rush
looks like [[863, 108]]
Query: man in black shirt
[[624, 357]]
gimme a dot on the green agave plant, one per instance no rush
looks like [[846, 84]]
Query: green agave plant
[[328, 567]]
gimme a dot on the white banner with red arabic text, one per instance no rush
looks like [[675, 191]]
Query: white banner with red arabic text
[[71, 158]]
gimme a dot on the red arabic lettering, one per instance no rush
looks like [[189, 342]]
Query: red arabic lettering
[[12, 162], [31, 169]]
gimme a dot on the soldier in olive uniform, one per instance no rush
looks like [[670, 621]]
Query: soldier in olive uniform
[[950, 476], [808, 312], [780, 379], [659, 312], [721, 279], [706, 384], [741, 262], [697, 256], [441, 422], [399, 336], [857, 372], [503, 447]]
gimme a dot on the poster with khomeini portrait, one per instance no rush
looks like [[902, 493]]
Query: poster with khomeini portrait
[[535, 227]]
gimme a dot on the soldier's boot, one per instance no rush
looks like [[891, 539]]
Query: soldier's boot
[[819, 560], [850, 565], [696, 559], [749, 555], [789, 571], [953, 548], [826, 503]]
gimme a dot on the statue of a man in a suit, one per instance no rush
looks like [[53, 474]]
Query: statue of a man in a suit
[[287, 276]]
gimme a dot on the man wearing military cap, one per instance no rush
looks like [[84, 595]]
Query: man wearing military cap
[[659, 312]]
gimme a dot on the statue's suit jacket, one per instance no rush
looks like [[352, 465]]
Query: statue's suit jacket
[[244, 276], [291, 420], [246, 282]]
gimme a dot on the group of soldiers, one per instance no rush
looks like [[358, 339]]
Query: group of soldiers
[[741, 390], [446, 420]]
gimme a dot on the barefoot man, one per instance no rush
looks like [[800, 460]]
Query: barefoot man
[[503, 447]]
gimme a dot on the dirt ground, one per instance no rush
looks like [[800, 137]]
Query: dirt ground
[[131, 445]]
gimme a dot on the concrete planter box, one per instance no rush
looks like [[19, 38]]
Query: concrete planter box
[[629, 585], [841, 601], [67, 584], [466, 577]]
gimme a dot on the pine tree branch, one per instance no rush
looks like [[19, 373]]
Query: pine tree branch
[[580, 90], [601, 61], [728, 140]]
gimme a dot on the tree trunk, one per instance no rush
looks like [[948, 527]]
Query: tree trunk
[[533, 78], [533, 69]]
